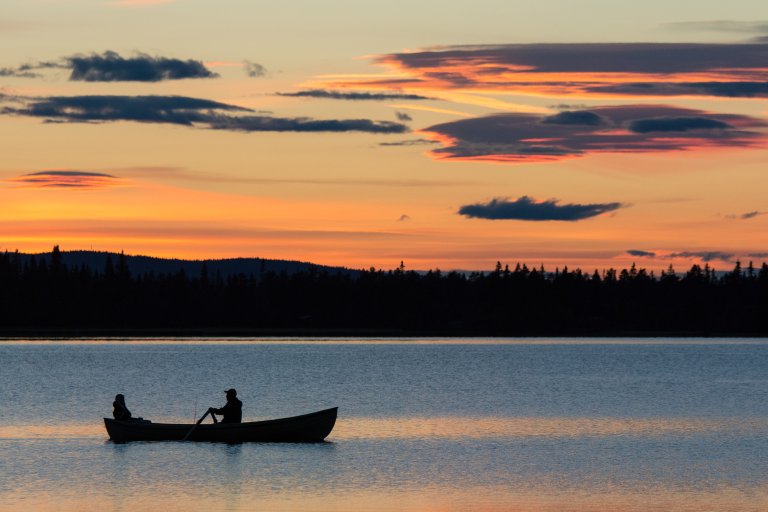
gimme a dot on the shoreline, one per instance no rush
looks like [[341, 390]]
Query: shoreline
[[105, 332]]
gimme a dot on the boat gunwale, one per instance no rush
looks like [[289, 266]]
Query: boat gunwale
[[138, 426]]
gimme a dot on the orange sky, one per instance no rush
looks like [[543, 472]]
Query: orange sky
[[228, 183]]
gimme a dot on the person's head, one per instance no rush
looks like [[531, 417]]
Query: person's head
[[231, 393], [120, 399]]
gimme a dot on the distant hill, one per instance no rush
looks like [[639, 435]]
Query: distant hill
[[139, 265]]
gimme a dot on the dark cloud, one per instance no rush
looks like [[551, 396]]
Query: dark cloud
[[254, 70], [703, 255], [66, 179], [676, 124], [404, 117], [649, 58], [721, 89], [353, 96], [526, 208], [747, 215], [641, 254], [411, 142], [301, 124], [181, 110], [758, 255], [517, 137], [632, 69], [148, 109], [579, 117], [111, 67]]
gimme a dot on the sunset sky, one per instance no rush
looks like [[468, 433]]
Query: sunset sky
[[444, 134]]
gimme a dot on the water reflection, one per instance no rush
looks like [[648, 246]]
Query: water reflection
[[448, 427], [480, 499]]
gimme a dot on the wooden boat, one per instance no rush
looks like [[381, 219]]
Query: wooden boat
[[308, 428]]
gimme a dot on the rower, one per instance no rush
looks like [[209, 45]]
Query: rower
[[232, 411]]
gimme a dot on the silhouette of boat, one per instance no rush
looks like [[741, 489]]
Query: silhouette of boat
[[308, 428]]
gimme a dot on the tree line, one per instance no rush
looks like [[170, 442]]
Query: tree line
[[47, 296]]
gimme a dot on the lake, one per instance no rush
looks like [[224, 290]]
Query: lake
[[620, 425]]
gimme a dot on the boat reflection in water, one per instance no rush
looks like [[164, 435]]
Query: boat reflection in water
[[308, 428]]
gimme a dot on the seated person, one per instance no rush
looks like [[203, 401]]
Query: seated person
[[232, 411], [120, 410]]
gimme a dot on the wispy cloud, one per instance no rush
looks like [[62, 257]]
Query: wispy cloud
[[352, 95], [186, 111], [747, 215], [254, 69], [404, 117], [732, 26], [524, 138], [66, 179], [527, 208], [410, 142], [139, 3], [641, 254], [703, 255]]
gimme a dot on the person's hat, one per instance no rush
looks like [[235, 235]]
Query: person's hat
[[231, 390]]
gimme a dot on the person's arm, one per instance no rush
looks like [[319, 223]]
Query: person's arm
[[221, 411]]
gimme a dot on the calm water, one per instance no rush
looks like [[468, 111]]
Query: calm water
[[424, 425]]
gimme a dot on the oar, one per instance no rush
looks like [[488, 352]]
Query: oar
[[196, 424]]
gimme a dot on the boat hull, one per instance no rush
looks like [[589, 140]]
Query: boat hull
[[308, 428]]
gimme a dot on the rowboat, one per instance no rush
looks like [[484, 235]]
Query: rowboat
[[308, 428]]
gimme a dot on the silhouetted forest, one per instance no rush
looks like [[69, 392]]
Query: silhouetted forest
[[44, 295]]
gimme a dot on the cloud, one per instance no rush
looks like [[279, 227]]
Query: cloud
[[402, 116], [111, 67], [182, 110], [703, 255], [527, 208], [577, 118], [411, 142], [66, 179], [584, 69], [149, 109], [641, 254], [301, 124], [721, 26], [137, 3], [18, 73], [747, 215], [718, 89], [352, 96], [404, 218], [517, 137], [676, 124], [28, 70], [254, 70], [758, 255]]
